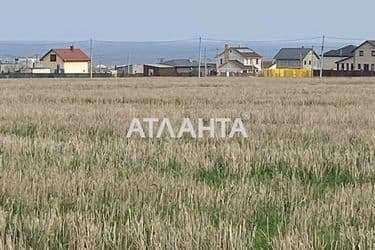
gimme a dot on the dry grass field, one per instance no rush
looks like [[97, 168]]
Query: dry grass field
[[304, 179]]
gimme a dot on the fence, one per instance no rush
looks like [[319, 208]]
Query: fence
[[295, 73], [52, 75], [339, 73]]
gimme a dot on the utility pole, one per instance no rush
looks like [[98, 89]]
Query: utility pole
[[200, 57], [91, 51], [322, 58], [205, 62], [312, 61], [128, 64]]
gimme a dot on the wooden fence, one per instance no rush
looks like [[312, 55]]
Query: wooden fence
[[293, 73]]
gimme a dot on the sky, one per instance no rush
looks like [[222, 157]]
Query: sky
[[150, 20]]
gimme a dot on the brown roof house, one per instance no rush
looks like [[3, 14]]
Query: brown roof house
[[69, 61], [238, 61]]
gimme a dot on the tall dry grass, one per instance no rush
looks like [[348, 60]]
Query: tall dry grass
[[69, 179]]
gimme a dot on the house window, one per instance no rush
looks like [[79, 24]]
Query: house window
[[257, 61], [373, 53], [310, 62], [361, 53], [221, 61], [343, 66], [372, 67], [53, 58], [347, 66], [352, 66], [359, 67]]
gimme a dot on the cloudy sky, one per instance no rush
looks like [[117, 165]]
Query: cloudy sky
[[152, 20]]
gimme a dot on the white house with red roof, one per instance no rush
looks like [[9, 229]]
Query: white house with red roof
[[69, 61]]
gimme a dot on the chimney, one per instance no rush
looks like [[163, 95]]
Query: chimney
[[226, 47], [72, 47]]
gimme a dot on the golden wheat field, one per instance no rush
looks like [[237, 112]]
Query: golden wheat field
[[304, 179]]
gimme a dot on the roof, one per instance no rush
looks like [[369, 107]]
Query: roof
[[69, 55], [293, 53], [267, 63], [342, 52], [156, 65], [182, 63], [345, 59], [244, 51], [371, 42]]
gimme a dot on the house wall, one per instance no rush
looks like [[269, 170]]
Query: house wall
[[311, 56], [367, 57], [291, 64], [298, 64], [46, 63], [330, 62], [182, 70], [229, 67], [136, 69], [345, 65], [159, 71], [76, 67]]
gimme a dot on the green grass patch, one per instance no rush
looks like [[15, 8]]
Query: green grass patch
[[269, 221], [214, 177]]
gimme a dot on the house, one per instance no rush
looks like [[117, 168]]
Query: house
[[145, 70], [361, 58], [333, 56], [69, 61], [238, 61], [297, 58], [364, 56], [189, 67]]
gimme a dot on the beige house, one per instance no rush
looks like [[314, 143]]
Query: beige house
[[362, 58], [68, 61], [238, 61]]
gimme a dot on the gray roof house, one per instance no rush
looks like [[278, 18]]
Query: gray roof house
[[361, 58], [333, 56], [297, 58]]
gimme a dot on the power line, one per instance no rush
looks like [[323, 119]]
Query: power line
[[153, 42], [261, 41], [345, 38], [24, 43]]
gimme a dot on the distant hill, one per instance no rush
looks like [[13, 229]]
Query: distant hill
[[118, 53]]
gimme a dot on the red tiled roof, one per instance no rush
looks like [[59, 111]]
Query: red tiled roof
[[70, 55]]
